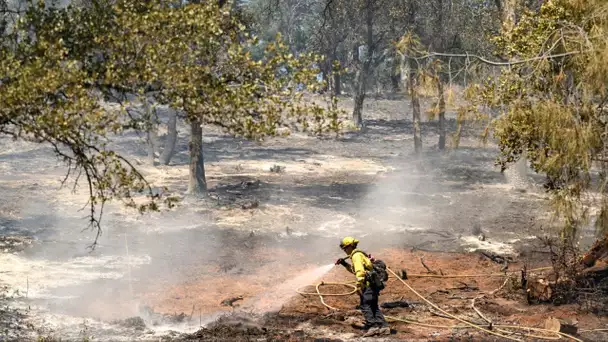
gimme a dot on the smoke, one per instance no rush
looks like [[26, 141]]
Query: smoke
[[441, 199], [184, 261]]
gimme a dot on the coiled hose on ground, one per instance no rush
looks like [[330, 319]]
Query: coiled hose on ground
[[504, 331]]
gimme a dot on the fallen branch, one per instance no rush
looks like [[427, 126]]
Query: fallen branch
[[499, 259], [440, 291], [438, 314], [425, 266], [465, 287], [460, 297], [490, 62]]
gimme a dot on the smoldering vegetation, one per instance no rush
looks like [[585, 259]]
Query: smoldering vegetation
[[428, 203]]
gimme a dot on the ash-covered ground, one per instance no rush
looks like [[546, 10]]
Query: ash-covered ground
[[167, 273]]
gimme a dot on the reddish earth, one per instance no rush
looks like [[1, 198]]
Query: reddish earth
[[507, 307], [211, 284]]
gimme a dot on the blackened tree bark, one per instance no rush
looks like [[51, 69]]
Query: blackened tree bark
[[413, 90], [395, 75], [359, 98], [169, 148], [337, 84], [441, 105], [197, 184]]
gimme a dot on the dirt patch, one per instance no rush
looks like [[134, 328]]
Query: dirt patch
[[452, 294], [260, 229]]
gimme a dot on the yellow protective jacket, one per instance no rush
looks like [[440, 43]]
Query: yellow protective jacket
[[361, 264]]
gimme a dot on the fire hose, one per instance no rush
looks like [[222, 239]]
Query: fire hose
[[496, 330]]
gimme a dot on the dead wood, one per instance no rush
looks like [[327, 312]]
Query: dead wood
[[425, 266], [499, 259], [465, 287], [591, 269], [439, 291], [561, 325], [460, 297], [230, 301], [438, 314]]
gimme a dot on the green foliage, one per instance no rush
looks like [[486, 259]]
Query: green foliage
[[553, 105], [195, 57], [200, 56]]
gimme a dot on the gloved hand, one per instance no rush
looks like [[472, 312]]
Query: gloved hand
[[341, 261]]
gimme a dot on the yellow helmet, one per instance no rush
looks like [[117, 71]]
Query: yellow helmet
[[349, 241]]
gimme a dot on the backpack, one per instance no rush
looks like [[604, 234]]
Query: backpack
[[378, 275]]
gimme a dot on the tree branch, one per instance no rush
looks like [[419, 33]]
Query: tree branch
[[490, 62]]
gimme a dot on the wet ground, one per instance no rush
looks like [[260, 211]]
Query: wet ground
[[175, 268]]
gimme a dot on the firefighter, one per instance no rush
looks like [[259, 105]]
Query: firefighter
[[375, 324]]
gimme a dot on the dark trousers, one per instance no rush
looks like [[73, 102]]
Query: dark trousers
[[370, 309]]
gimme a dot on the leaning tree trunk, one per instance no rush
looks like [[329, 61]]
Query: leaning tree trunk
[[441, 114], [197, 184], [152, 131], [413, 88], [169, 149]]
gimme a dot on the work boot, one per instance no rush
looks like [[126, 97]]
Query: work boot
[[373, 331], [384, 331]]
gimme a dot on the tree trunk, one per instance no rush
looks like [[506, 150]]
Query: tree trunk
[[337, 84], [152, 131], [395, 75], [441, 114], [197, 184], [363, 73], [359, 98], [169, 149], [413, 88], [404, 72], [507, 9]]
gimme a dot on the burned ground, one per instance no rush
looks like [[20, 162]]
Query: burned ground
[[261, 229]]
